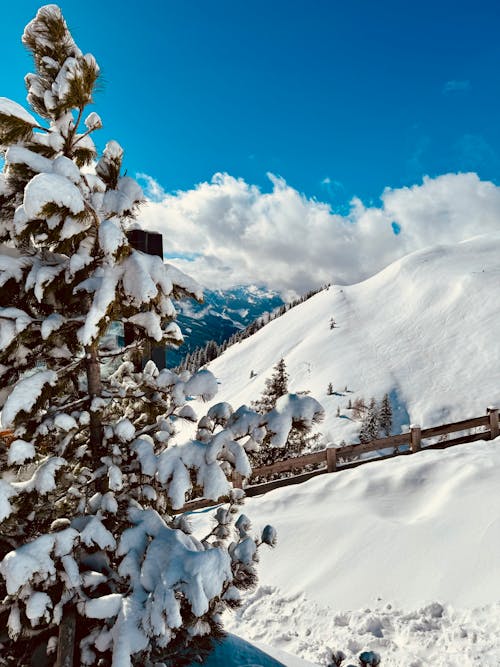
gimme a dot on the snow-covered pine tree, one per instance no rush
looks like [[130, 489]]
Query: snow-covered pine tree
[[93, 559], [385, 415], [370, 427], [329, 389], [275, 386], [299, 439]]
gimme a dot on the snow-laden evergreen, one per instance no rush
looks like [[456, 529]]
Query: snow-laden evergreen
[[370, 426], [385, 415], [90, 542], [298, 439]]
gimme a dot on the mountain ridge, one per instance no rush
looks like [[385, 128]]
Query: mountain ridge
[[422, 330]]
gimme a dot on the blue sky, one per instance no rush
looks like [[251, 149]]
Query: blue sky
[[338, 98]]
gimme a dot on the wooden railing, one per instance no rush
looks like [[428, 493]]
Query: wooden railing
[[333, 458]]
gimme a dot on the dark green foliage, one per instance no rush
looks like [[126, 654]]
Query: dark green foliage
[[13, 129], [385, 415], [299, 439], [370, 426]]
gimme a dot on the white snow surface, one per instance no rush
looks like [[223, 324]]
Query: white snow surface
[[65, 422], [51, 188], [11, 108], [25, 394], [105, 606], [397, 556], [424, 330], [20, 451], [93, 121], [22, 155], [111, 236], [279, 421]]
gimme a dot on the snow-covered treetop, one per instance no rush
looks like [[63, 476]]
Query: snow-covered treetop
[[91, 481], [292, 409], [75, 271], [65, 78]]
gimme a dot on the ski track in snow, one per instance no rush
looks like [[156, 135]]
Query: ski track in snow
[[437, 635]]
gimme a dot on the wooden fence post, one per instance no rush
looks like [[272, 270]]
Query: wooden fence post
[[415, 438], [331, 459], [237, 480], [493, 415], [66, 641]]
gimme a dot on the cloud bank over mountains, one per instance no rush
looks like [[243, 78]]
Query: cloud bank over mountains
[[228, 232]]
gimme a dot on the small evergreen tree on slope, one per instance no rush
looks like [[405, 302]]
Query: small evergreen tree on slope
[[275, 386], [385, 415], [370, 426], [89, 485], [299, 438]]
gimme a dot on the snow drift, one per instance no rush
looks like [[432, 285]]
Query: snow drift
[[400, 557]]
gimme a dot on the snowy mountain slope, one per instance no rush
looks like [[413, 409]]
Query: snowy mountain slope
[[222, 313], [425, 330], [364, 555]]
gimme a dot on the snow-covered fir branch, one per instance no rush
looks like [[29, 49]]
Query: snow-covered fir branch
[[90, 546]]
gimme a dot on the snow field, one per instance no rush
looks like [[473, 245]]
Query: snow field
[[400, 557], [424, 330], [432, 635]]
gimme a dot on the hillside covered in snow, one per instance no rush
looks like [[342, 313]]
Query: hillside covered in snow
[[398, 557], [425, 330]]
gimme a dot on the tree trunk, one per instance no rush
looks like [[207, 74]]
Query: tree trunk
[[95, 389], [66, 640]]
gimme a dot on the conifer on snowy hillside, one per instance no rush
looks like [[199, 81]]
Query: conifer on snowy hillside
[[299, 438], [385, 415], [89, 545]]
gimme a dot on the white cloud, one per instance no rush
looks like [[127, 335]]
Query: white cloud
[[456, 86], [151, 188], [236, 234]]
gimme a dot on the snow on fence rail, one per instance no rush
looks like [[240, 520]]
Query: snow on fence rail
[[338, 458]]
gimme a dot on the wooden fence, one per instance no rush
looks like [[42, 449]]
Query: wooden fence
[[334, 458]]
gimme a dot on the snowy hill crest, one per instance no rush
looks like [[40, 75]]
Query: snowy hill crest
[[422, 330]]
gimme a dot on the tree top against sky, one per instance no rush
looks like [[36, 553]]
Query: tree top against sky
[[340, 99]]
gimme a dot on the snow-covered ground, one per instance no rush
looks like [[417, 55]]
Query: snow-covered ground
[[400, 557], [425, 330]]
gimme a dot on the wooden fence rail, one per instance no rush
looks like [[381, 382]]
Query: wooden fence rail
[[333, 458]]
